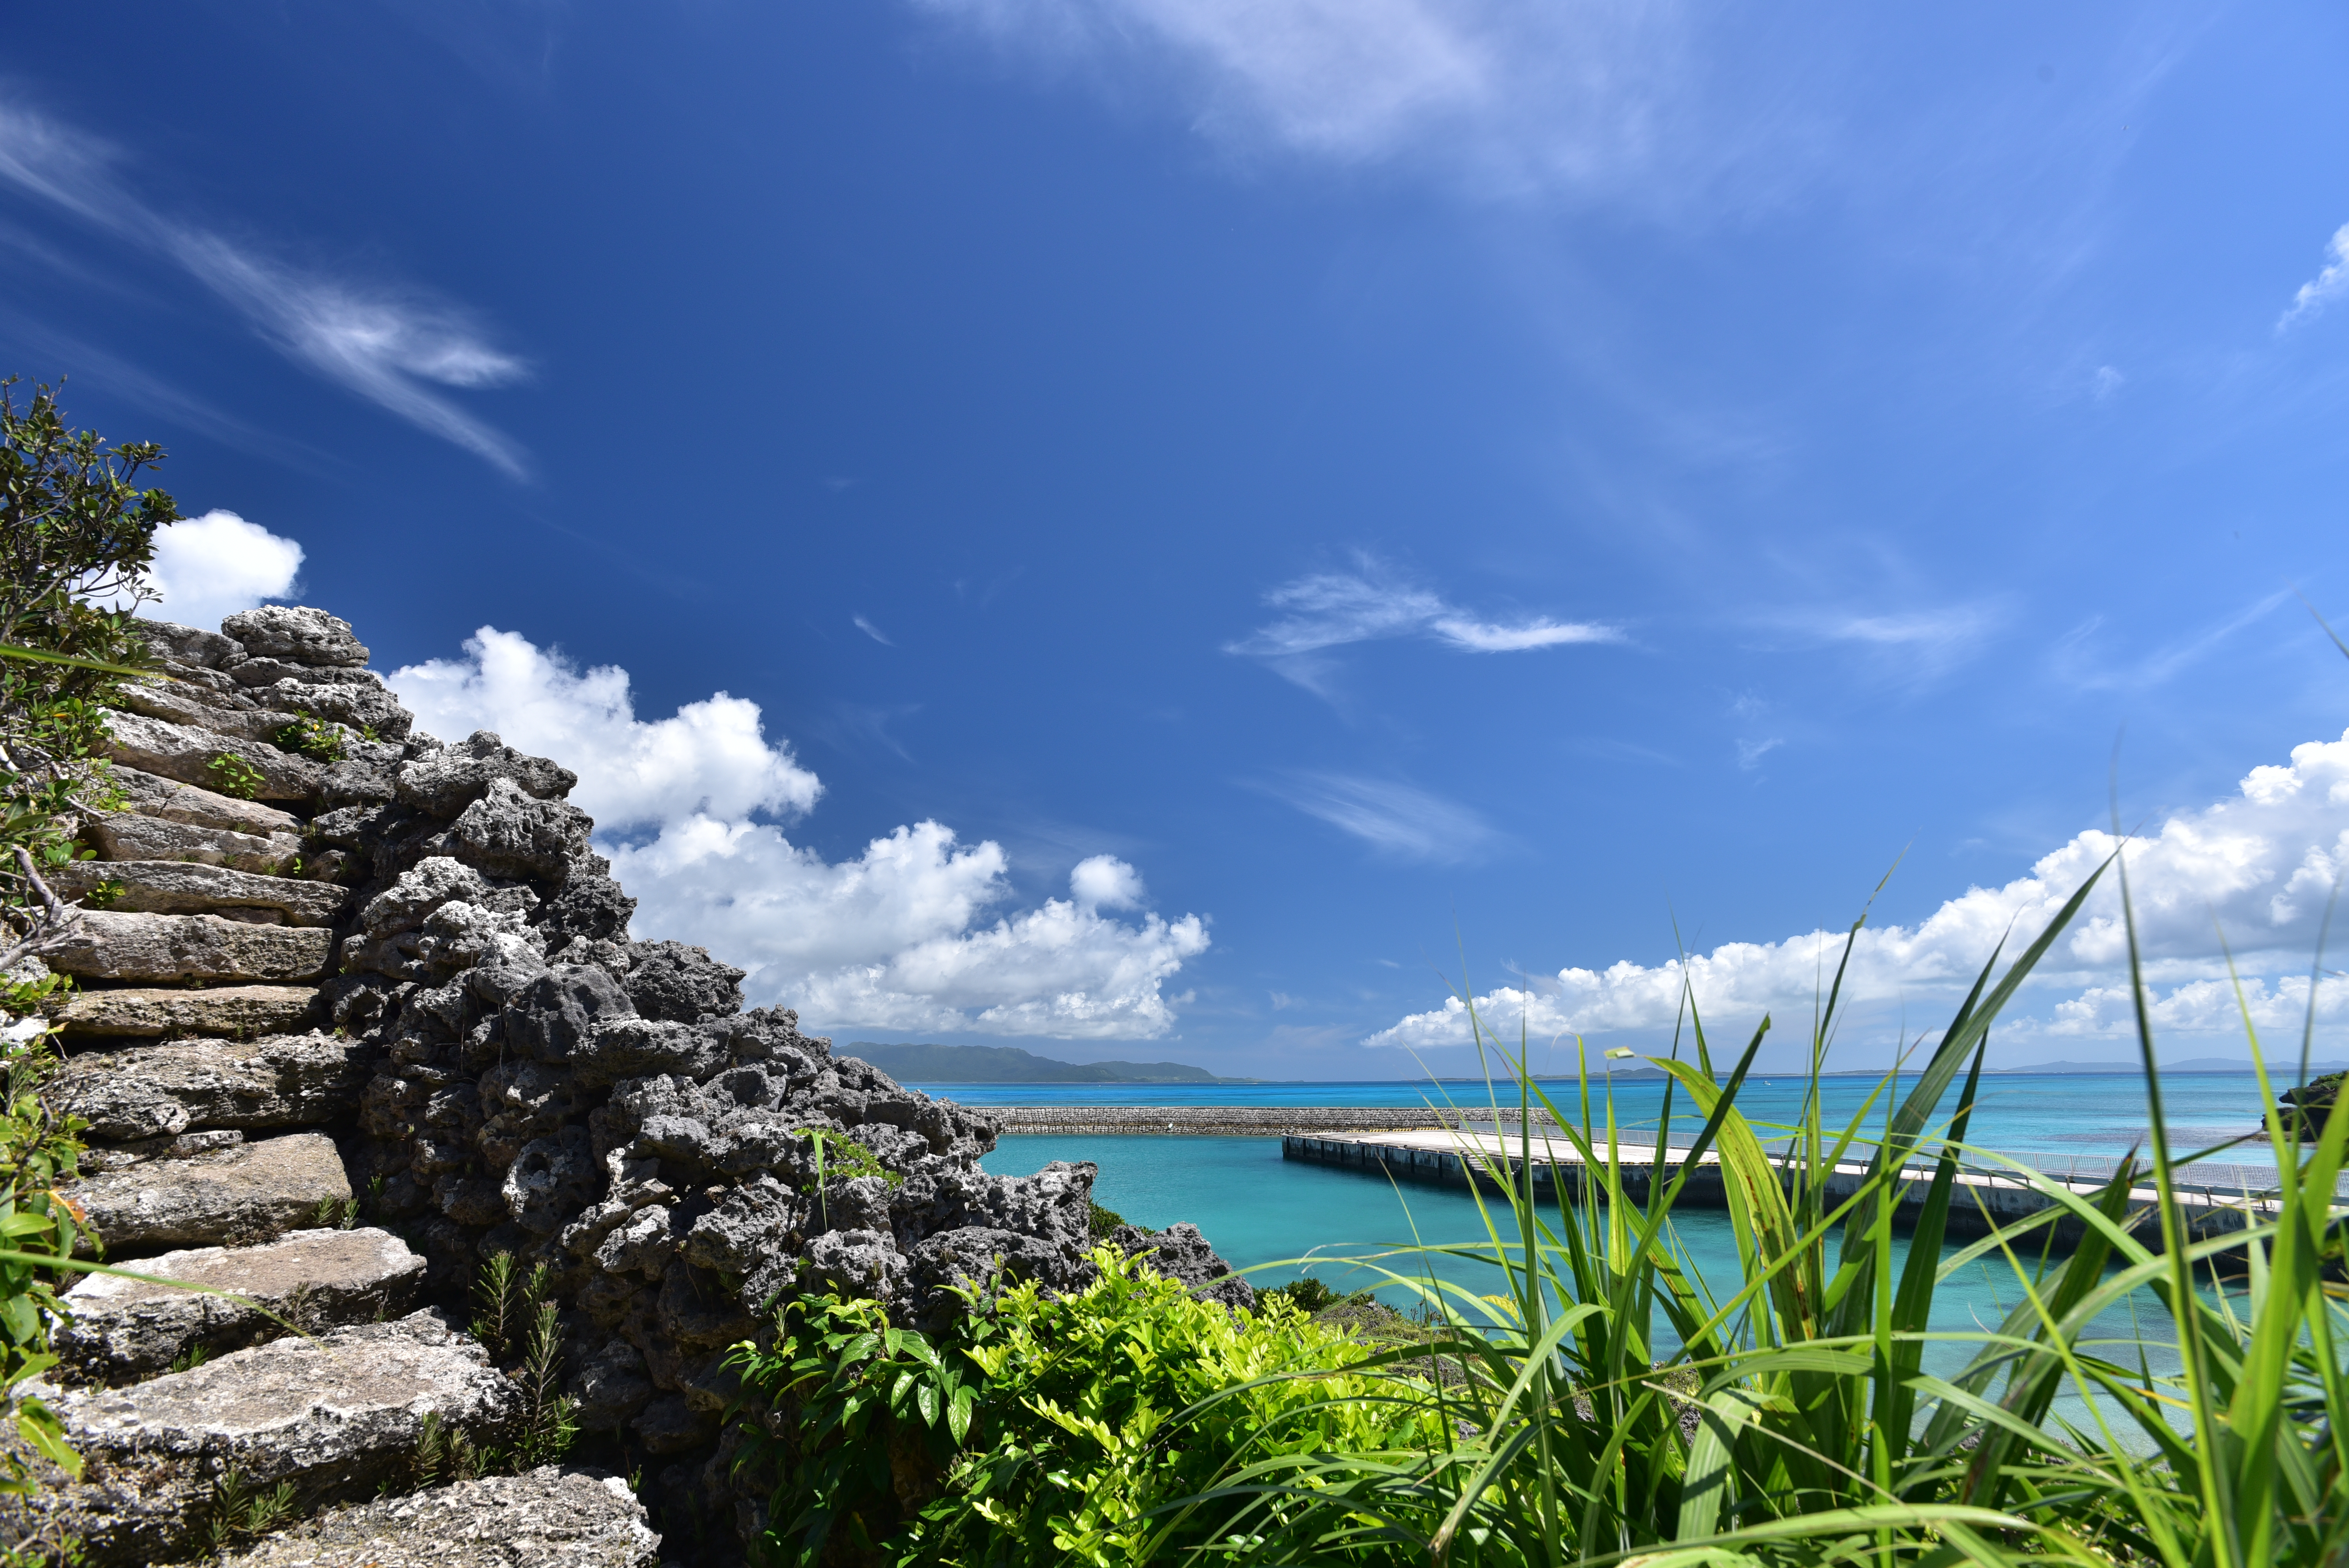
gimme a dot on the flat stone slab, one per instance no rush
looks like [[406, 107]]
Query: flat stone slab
[[146, 948], [237, 1196], [151, 1091], [336, 1416], [185, 753], [550, 1518], [153, 795], [177, 703], [168, 886], [240, 1010], [129, 837], [122, 1329]]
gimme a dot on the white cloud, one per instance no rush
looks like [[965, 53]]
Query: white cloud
[[904, 937], [1750, 753], [1332, 609], [383, 345], [1926, 643], [2258, 866], [1396, 819], [208, 568], [1582, 94], [870, 630], [2324, 287]]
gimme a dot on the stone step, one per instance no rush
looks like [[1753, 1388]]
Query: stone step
[[153, 1091], [336, 1417], [555, 1517], [151, 795], [199, 708], [237, 1196], [179, 887], [145, 948], [174, 887], [238, 1010], [130, 837], [182, 752], [123, 1329]]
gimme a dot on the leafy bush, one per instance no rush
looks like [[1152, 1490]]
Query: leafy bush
[[1084, 1437], [38, 1150], [75, 527], [311, 737], [1100, 1222]]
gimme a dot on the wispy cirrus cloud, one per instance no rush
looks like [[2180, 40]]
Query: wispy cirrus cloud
[[389, 345], [1926, 643], [1396, 819], [1330, 609], [1587, 96], [2323, 288], [2077, 659]]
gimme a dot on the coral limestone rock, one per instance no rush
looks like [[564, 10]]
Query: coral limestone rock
[[145, 948], [244, 1193], [337, 1417], [553, 1517], [237, 1010], [124, 1329], [279, 1080], [174, 887]]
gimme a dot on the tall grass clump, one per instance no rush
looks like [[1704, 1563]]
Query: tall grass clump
[[1794, 1417]]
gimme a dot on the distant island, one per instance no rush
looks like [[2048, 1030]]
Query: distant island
[[2189, 1064], [1008, 1064]]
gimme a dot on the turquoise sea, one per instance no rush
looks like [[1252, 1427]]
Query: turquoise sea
[[1279, 1218]]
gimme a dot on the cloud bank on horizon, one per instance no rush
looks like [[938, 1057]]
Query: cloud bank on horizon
[[2255, 874], [909, 935]]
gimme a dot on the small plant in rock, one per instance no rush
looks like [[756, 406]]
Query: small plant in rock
[[105, 894], [193, 1356], [840, 1158], [431, 1450], [312, 737], [239, 1512], [232, 775], [548, 1426], [1100, 1222], [495, 1289]]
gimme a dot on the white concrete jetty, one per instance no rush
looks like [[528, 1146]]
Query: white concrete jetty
[[1987, 1196]]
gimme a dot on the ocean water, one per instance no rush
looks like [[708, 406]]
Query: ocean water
[[1276, 1219]]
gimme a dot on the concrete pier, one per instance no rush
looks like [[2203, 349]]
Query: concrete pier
[[1986, 1198], [1237, 1121]]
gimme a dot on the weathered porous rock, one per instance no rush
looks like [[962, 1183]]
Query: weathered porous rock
[[548, 1518], [191, 646], [362, 706], [298, 634], [145, 948], [176, 887], [443, 783], [122, 1329], [240, 1010], [1181, 1253], [236, 1196], [97, 1156], [336, 1416], [182, 752], [152, 1091], [681, 985], [230, 714]]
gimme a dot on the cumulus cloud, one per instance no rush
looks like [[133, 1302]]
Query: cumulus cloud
[[210, 567], [2323, 288], [1396, 819], [910, 934], [2259, 867], [1330, 609], [387, 346]]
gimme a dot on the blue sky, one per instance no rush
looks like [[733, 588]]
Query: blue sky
[[1204, 514]]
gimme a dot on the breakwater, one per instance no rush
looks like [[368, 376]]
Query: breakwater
[[1241, 1120]]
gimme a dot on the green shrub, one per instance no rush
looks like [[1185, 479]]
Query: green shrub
[[1100, 1222], [1084, 1437], [313, 737]]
